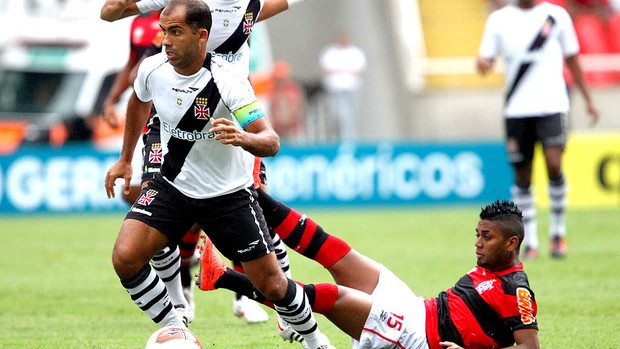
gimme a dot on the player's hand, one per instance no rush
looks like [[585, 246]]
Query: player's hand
[[593, 113], [109, 114], [227, 132], [484, 65], [121, 169], [450, 345]]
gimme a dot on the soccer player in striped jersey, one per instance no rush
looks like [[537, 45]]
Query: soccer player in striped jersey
[[232, 25], [145, 40], [491, 306], [206, 176]]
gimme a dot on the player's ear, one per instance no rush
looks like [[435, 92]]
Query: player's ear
[[512, 243], [204, 34]]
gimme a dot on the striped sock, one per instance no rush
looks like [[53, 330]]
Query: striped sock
[[524, 199], [149, 293], [167, 265], [301, 233], [294, 308]]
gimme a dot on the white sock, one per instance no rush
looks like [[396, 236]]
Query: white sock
[[557, 198], [524, 199], [167, 265]]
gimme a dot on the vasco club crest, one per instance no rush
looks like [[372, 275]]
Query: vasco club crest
[[201, 109]]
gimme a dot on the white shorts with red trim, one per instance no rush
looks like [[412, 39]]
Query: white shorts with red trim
[[397, 319]]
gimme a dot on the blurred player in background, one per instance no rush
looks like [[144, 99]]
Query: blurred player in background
[[535, 41], [286, 103], [343, 65], [492, 306]]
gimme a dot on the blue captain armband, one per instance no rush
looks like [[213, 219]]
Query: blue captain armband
[[245, 115]]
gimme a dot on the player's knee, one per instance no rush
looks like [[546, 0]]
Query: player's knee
[[125, 262], [273, 287]]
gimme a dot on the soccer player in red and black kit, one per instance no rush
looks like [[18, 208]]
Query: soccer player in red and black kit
[[492, 306]]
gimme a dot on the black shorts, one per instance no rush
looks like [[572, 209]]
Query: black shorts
[[234, 222], [522, 134], [152, 154]]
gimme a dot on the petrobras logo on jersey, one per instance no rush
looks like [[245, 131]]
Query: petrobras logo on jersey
[[57, 180], [193, 136], [389, 173], [230, 57]]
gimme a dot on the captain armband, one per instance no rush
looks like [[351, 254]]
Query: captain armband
[[251, 112]]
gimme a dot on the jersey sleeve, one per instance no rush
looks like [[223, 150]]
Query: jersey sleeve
[[490, 43], [519, 308], [567, 36], [145, 6], [140, 84]]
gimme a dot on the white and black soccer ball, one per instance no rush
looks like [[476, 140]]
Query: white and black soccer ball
[[173, 337]]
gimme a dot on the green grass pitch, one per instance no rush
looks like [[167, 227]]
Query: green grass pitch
[[58, 288]]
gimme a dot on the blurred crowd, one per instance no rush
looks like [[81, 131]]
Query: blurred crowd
[[304, 111]]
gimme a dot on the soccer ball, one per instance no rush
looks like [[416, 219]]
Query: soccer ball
[[173, 337]]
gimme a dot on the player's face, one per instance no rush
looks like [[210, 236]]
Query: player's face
[[181, 44], [492, 248]]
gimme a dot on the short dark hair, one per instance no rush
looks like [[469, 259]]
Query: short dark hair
[[197, 13], [508, 216]]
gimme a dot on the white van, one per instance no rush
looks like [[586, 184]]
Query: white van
[[57, 71]]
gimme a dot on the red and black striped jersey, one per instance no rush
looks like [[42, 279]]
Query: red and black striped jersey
[[145, 32], [482, 310]]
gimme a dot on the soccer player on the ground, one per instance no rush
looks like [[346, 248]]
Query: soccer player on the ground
[[492, 306], [206, 175], [232, 25]]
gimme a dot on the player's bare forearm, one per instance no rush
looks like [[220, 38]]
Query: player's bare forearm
[[272, 8], [575, 68], [137, 115], [263, 144], [259, 138], [113, 10]]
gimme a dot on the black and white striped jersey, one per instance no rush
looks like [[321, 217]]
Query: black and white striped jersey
[[194, 162]]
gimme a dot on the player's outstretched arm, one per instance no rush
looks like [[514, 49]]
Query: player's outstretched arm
[[272, 8], [137, 115], [113, 10]]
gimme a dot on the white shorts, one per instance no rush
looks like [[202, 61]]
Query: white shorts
[[137, 164], [397, 318]]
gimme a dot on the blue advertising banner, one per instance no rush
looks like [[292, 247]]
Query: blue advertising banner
[[67, 179], [389, 173], [71, 179]]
